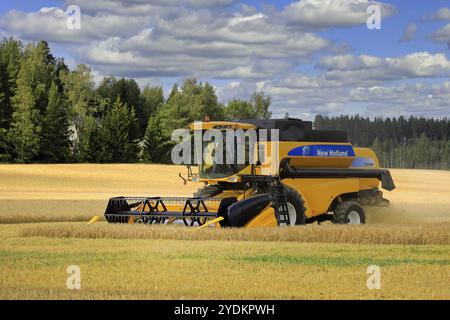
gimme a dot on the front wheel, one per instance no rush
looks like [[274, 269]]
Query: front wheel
[[349, 212], [296, 207]]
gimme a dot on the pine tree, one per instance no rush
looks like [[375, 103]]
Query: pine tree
[[173, 92], [40, 72], [55, 144], [260, 105], [10, 55], [156, 144], [24, 133], [153, 100], [118, 132]]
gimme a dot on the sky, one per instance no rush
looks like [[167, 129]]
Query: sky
[[310, 56]]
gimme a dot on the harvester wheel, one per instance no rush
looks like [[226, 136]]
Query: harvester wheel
[[296, 206], [349, 212]]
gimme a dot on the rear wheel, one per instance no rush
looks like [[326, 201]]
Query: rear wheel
[[296, 207], [349, 212]]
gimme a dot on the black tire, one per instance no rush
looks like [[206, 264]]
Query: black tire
[[342, 211], [297, 202]]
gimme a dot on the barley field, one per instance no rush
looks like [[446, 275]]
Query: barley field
[[43, 230]]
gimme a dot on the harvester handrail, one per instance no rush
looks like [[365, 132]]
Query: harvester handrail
[[166, 198]]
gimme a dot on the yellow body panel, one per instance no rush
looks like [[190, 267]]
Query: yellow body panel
[[265, 219], [318, 194], [367, 153]]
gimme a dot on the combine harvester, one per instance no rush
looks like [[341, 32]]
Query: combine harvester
[[310, 176]]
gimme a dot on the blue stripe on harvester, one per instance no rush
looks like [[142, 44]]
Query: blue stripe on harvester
[[323, 150]]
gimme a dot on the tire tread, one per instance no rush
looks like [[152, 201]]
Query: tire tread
[[341, 210]]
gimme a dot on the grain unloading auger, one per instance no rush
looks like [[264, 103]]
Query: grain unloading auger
[[310, 175]]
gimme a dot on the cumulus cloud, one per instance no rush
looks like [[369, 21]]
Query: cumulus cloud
[[372, 84], [51, 24], [197, 43], [144, 7], [441, 14], [442, 35], [422, 99], [370, 68], [175, 40], [409, 33], [323, 14], [252, 49]]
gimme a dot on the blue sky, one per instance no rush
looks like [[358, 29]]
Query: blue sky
[[330, 64]]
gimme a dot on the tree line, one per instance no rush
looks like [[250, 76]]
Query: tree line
[[413, 142], [51, 114]]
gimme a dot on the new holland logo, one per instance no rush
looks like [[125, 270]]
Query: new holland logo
[[323, 151], [306, 150]]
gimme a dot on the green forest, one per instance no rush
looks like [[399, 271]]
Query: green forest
[[50, 114], [399, 142]]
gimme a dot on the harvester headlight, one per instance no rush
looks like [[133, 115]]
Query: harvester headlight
[[233, 179], [195, 179]]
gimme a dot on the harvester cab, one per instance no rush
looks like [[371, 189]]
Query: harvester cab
[[261, 173]]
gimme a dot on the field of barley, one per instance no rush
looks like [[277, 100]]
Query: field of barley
[[43, 230]]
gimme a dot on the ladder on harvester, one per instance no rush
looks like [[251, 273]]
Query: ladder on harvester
[[279, 201], [277, 192]]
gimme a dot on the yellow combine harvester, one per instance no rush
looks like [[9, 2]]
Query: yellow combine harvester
[[310, 175]]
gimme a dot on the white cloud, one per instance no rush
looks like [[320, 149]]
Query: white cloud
[[423, 99], [323, 14], [409, 33], [201, 42], [242, 19], [374, 85], [441, 14], [419, 98], [356, 69], [210, 3], [442, 35], [198, 43], [420, 64], [144, 7], [255, 50], [51, 24]]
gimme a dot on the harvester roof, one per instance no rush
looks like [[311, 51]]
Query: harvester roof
[[291, 129]]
